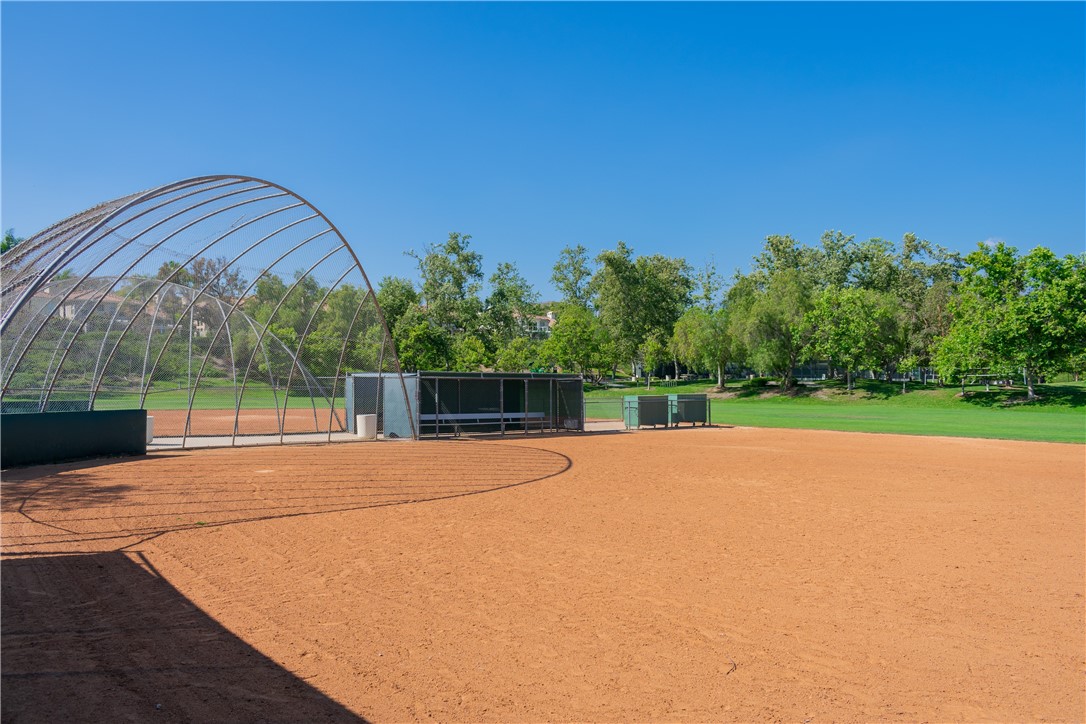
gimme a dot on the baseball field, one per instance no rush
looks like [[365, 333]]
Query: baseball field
[[708, 574]]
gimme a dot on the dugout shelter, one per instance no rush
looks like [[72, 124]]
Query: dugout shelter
[[456, 403]]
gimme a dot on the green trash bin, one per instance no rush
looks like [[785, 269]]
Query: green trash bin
[[688, 408], [638, 410]]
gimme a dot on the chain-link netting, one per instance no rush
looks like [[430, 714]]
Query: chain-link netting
[[225, 306]]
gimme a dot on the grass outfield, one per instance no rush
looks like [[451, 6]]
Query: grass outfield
[[257, 397], [1060, 416]]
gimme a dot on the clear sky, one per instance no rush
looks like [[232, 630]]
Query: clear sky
[[685, 129]]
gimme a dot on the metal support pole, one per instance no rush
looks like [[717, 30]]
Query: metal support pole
[[550, 405], [501, 404]]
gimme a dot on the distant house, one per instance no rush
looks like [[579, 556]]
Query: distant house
[[539, 325]]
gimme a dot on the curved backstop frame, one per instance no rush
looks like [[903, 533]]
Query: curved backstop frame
[[227, 306]]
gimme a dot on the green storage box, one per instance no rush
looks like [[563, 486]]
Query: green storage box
[[638, 410], [688, 408]]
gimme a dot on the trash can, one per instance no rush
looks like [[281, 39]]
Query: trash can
[[638, 410], [366, 426], [688, 408]]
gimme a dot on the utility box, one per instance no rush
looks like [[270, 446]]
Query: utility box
[[688, 408], [638, 410]]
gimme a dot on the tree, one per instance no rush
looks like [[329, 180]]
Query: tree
[[1013, 312], [654, 352], [844, 326], [511, 301], [708, 285], [874, 266], [222, 281], [396, 295], [768, 320], [451, 279], [520, 355], [468, 353], [572, 276], [570, 344], [420, 343], [702, 339], [639, 298], [10, 241]]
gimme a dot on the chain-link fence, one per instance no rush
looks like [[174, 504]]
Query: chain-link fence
[[225, 306]]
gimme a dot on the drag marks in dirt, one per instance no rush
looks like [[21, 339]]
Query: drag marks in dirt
[[98, 507]]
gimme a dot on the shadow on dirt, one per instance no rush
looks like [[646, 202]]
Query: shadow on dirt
[[103, 637], [73, 508]]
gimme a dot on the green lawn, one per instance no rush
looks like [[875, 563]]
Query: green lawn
[[1060, 416], [257, 396]]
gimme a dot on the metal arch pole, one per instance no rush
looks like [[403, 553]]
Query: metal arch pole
[[365, 277], [67, 255], [380, 406], [42, 276], [230, 344], [260, 338], [237, 396], [152, 247], [102, 348], [207, 285], [43, 398], [241, 297], [145, 383], [46, 314], [95, 218], [296, 364], [342, 357]]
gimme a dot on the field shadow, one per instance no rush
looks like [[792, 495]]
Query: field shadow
[[69, 509], [103, 637]]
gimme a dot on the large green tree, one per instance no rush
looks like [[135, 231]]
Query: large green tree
[[845, 325], [702, 340], [509, 306], [396, 295], [421, 344], [452, 277], [1017, 312], [639, 298], [572, 276], [768, 319]]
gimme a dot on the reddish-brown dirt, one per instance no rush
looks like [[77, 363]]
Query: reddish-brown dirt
[[171, 423], [710, 574]]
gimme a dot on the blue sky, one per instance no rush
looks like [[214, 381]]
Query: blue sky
[[690, 130]]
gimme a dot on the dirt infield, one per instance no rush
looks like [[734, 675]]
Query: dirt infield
[[722, 574], [171, 423]]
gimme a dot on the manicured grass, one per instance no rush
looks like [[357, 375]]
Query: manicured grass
[[1059, 416], [257, 396]]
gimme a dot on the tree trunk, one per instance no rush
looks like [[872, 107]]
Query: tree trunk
[[848, 380], [720, 376], [1030, 395]]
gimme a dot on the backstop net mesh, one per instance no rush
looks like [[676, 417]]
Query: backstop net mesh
[[225, 306]]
